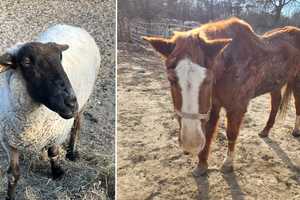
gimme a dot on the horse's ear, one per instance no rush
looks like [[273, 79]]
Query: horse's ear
[[6, 59], [211, 48], [162, 45]]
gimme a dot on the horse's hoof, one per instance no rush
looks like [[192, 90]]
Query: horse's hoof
[[263, 134], [296, 133], [73, 156], [200, 170], [57, 173], [227, 169]]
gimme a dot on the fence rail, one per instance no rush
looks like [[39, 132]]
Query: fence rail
[[140, 29]]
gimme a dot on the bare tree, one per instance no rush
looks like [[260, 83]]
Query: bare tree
[[278, 6], [261, 14]]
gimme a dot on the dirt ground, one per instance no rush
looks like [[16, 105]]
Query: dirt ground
[[92, 177], [152, 166]]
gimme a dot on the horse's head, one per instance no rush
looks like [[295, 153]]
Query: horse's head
[[46, 81], [189, 65]]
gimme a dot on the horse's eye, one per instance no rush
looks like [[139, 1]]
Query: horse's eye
[[60, 56], [26, 62]]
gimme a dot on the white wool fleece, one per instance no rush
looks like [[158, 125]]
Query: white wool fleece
[[26, 124]]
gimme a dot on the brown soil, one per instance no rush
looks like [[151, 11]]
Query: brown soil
[[152, 166]]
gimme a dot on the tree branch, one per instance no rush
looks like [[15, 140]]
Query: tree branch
[[287, 2]]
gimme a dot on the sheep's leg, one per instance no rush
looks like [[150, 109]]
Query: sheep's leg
[[56, 169], [72, 153], [13, 173]]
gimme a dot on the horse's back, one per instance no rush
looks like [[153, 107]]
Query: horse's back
[[259, 65]]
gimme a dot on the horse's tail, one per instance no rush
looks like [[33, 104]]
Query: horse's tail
[[284, 104]]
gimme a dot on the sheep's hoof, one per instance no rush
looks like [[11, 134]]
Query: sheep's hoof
[[73, 156], [264, 134], [296, 133], [227, 169], [57, 173], [200, 170]]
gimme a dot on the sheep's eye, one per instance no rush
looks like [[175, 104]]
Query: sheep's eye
[[60, 56], [26, 62]]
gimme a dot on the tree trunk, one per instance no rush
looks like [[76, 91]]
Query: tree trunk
[[277, 14], [211, 9], [230, 13]]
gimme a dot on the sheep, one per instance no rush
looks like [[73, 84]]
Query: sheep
[[42, 93]]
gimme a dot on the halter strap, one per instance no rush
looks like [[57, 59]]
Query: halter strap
[[192, 115]]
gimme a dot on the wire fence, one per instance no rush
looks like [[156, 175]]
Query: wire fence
[[139, 29]]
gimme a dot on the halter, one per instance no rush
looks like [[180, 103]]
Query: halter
[[185, 115]]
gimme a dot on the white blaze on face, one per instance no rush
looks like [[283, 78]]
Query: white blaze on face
[[190, 77]]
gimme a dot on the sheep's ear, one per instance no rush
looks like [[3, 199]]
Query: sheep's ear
[[162, 45], [6, 60], [62, 47]]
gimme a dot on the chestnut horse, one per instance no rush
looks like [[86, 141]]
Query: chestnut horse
[[207, 73], [292, 35]]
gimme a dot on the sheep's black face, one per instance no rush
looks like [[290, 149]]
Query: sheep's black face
[[46, 79]]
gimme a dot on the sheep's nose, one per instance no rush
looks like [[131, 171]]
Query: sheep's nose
[[71, 102]]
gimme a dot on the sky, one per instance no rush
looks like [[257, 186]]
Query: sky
[[291, 8], [287, 10]]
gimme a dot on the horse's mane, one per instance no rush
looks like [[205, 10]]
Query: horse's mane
[[230, 23], [233, 27], [226, 28]]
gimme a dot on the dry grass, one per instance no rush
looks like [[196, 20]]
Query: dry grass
[[92, 177]]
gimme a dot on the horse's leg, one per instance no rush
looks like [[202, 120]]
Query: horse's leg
[[210, 129], [296, 93], [13, 173], [234, 120], [53, 153], [275, 103], [72, 153]]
